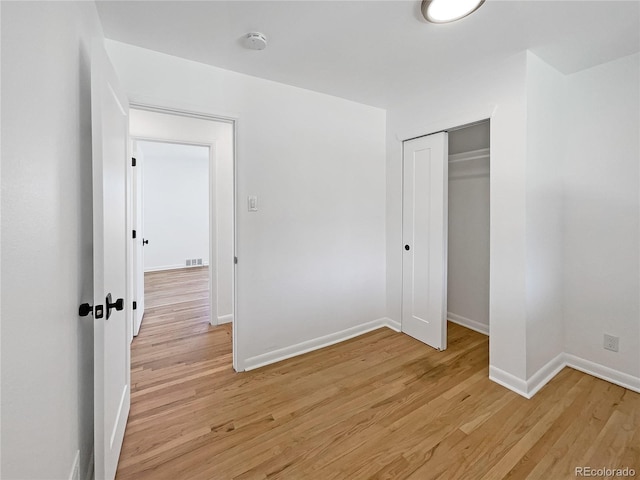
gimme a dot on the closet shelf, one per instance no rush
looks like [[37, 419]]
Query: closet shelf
[[470, 156]]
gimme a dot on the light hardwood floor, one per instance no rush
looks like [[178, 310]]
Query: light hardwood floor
[[381, 405]]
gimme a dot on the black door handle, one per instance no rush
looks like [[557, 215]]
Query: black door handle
[[145, 242], [407, 247], [85, 309], [118, 305]]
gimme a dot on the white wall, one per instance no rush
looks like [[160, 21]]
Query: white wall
[[545, 153], [47, 350], [498, 93], [468, 236], [311, 261], [176, 204], [601, 212]]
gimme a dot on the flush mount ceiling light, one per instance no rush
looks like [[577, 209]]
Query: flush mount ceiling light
[[255, 41], [445, 11]]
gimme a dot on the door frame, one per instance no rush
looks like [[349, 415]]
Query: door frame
[[213, 229], [233, 120], [453, 125]]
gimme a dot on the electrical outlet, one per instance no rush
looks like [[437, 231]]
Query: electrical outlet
[[611, 342]]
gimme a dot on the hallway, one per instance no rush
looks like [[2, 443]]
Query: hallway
[[176, 352]]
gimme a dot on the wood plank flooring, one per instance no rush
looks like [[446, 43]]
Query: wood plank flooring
[[381, 405]]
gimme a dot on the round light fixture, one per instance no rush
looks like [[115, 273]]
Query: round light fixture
[[445, 11], [255, 41]]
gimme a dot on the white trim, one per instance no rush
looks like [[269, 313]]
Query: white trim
[[213, 233], [507, 380], [317, 343], [75, 467], [605, 373], [225, 319], [545, 374], [468, 323], [393, 325], [163, 105], [90, 475], [173, 267], [172, 141], [236, 359], [445, 125]]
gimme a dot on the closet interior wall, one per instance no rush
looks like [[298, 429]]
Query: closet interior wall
[[468, 239]]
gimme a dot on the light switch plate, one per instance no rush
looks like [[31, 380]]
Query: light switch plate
[[252, 202]]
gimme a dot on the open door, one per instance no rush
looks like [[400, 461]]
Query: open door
[[112, 308], [138, 242], [424, 233]]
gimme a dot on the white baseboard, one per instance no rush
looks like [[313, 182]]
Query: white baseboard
[[467, 322], [528, 388], [252, 363], [225, 319], [605, 373], [543, 376], [393, 325], [75, 467], [507, 380], [172, 267]]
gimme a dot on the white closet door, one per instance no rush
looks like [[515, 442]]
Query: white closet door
[[424, 286]]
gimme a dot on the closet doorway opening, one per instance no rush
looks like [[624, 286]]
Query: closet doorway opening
[[445, 212], [468, 227]]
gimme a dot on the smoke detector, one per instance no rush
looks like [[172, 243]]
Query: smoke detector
[[255, 41]]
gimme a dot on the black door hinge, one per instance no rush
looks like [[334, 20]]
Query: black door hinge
[[135, 305], [133, 161], [235, 260], [134, 234]]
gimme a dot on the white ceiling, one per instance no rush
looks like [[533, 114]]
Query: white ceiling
[[375, 52]]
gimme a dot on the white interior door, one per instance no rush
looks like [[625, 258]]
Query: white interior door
[[109, 117], [138, 250], [424, 225]]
